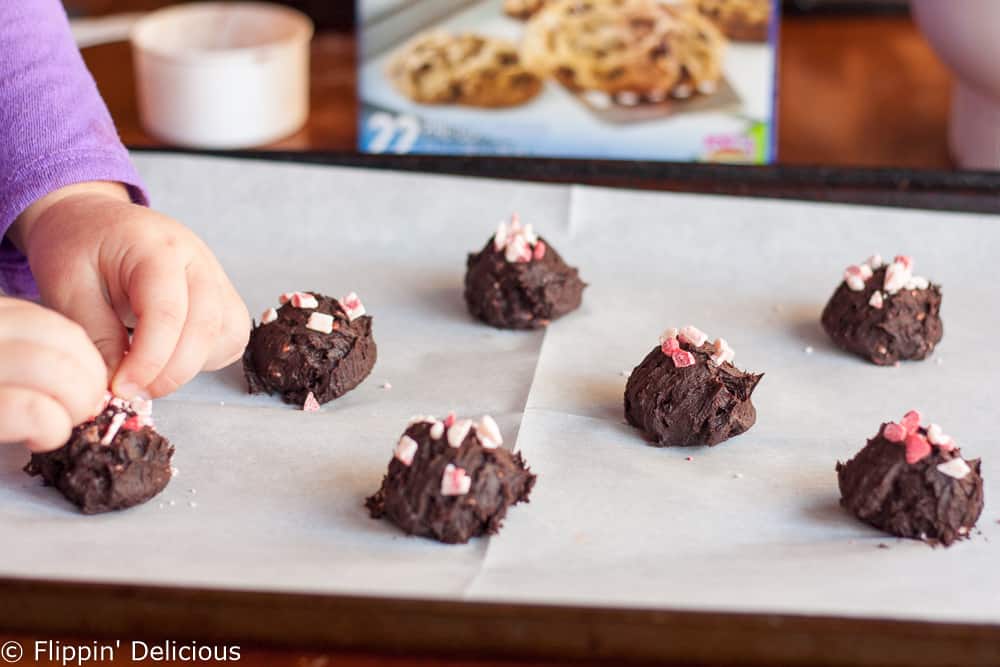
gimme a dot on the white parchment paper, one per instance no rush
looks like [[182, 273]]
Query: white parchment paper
[[270, 498]]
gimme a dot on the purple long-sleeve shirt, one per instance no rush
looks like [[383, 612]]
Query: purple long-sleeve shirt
[[54, 127]]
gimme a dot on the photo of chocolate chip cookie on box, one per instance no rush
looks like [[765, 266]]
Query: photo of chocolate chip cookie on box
[[439, 67], [633, 51], [740, 20]]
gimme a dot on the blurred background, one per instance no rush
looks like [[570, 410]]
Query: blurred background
[[858, 84]]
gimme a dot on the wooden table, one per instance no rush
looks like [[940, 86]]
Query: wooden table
[[855, 91]]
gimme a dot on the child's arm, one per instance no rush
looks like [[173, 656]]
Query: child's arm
[[51, 376], [54, 127], [69, 203]]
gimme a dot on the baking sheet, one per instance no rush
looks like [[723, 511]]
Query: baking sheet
[[751, 525]]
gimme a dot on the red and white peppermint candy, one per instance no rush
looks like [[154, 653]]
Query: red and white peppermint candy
[[455, 481], [875, 262], [286, 297], [268, 316], [458, 431], [956, 467], [855, 277], [320, 322], [489, 432], [136, 423], [352, 306], [672, 332], [420, 419], [500, 238], [515, 223], [682, 359], [896, 277], [437, 430], [917, 282], [876, 301], [113, 427], [937, 437], [406, 448], [518, 250], [669, 346], [529, 234], [142, 406], [894, 432], [310, 404], [693, 336], [721, 352], [449, 419], [917, 448], [539, 252], [905, 260], [911, 421], [304, 300]]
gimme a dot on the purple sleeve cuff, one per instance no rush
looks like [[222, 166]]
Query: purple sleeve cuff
[[46, 175]]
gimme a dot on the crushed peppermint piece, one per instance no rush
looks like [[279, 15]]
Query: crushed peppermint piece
[[420, 419], [517, 242], [449, 419], [310, 404], [304, 300], [876, 301], [518, 250], [905, 260], [286, 297], [894, 432], [113, 427], [669, 346], [500, 238], [917, 282], [268, 316], [911, 421], [669, 334], [937, 436], [174, 472], [320, 322], [917, 448], [896, 277], [682, 359], [437, 430], [721, 352], [956, 467], [455, 481], [352, 306], [855, 278], [406, 448], [458, 431], [489, 432], [142, 406], [875, 262], [693, 336], [135, 423]]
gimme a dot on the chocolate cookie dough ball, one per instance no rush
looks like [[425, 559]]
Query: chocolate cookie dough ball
[[687, 392], [451, 480], [518, 281], [113, 461], [884, 313], [312, 344], [912, 481]]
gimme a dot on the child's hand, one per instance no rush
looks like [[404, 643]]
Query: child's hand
[[107, 264], [51, 375]]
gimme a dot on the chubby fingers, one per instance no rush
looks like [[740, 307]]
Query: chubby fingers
[[158, 293], [33, 418], [214, 334]]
